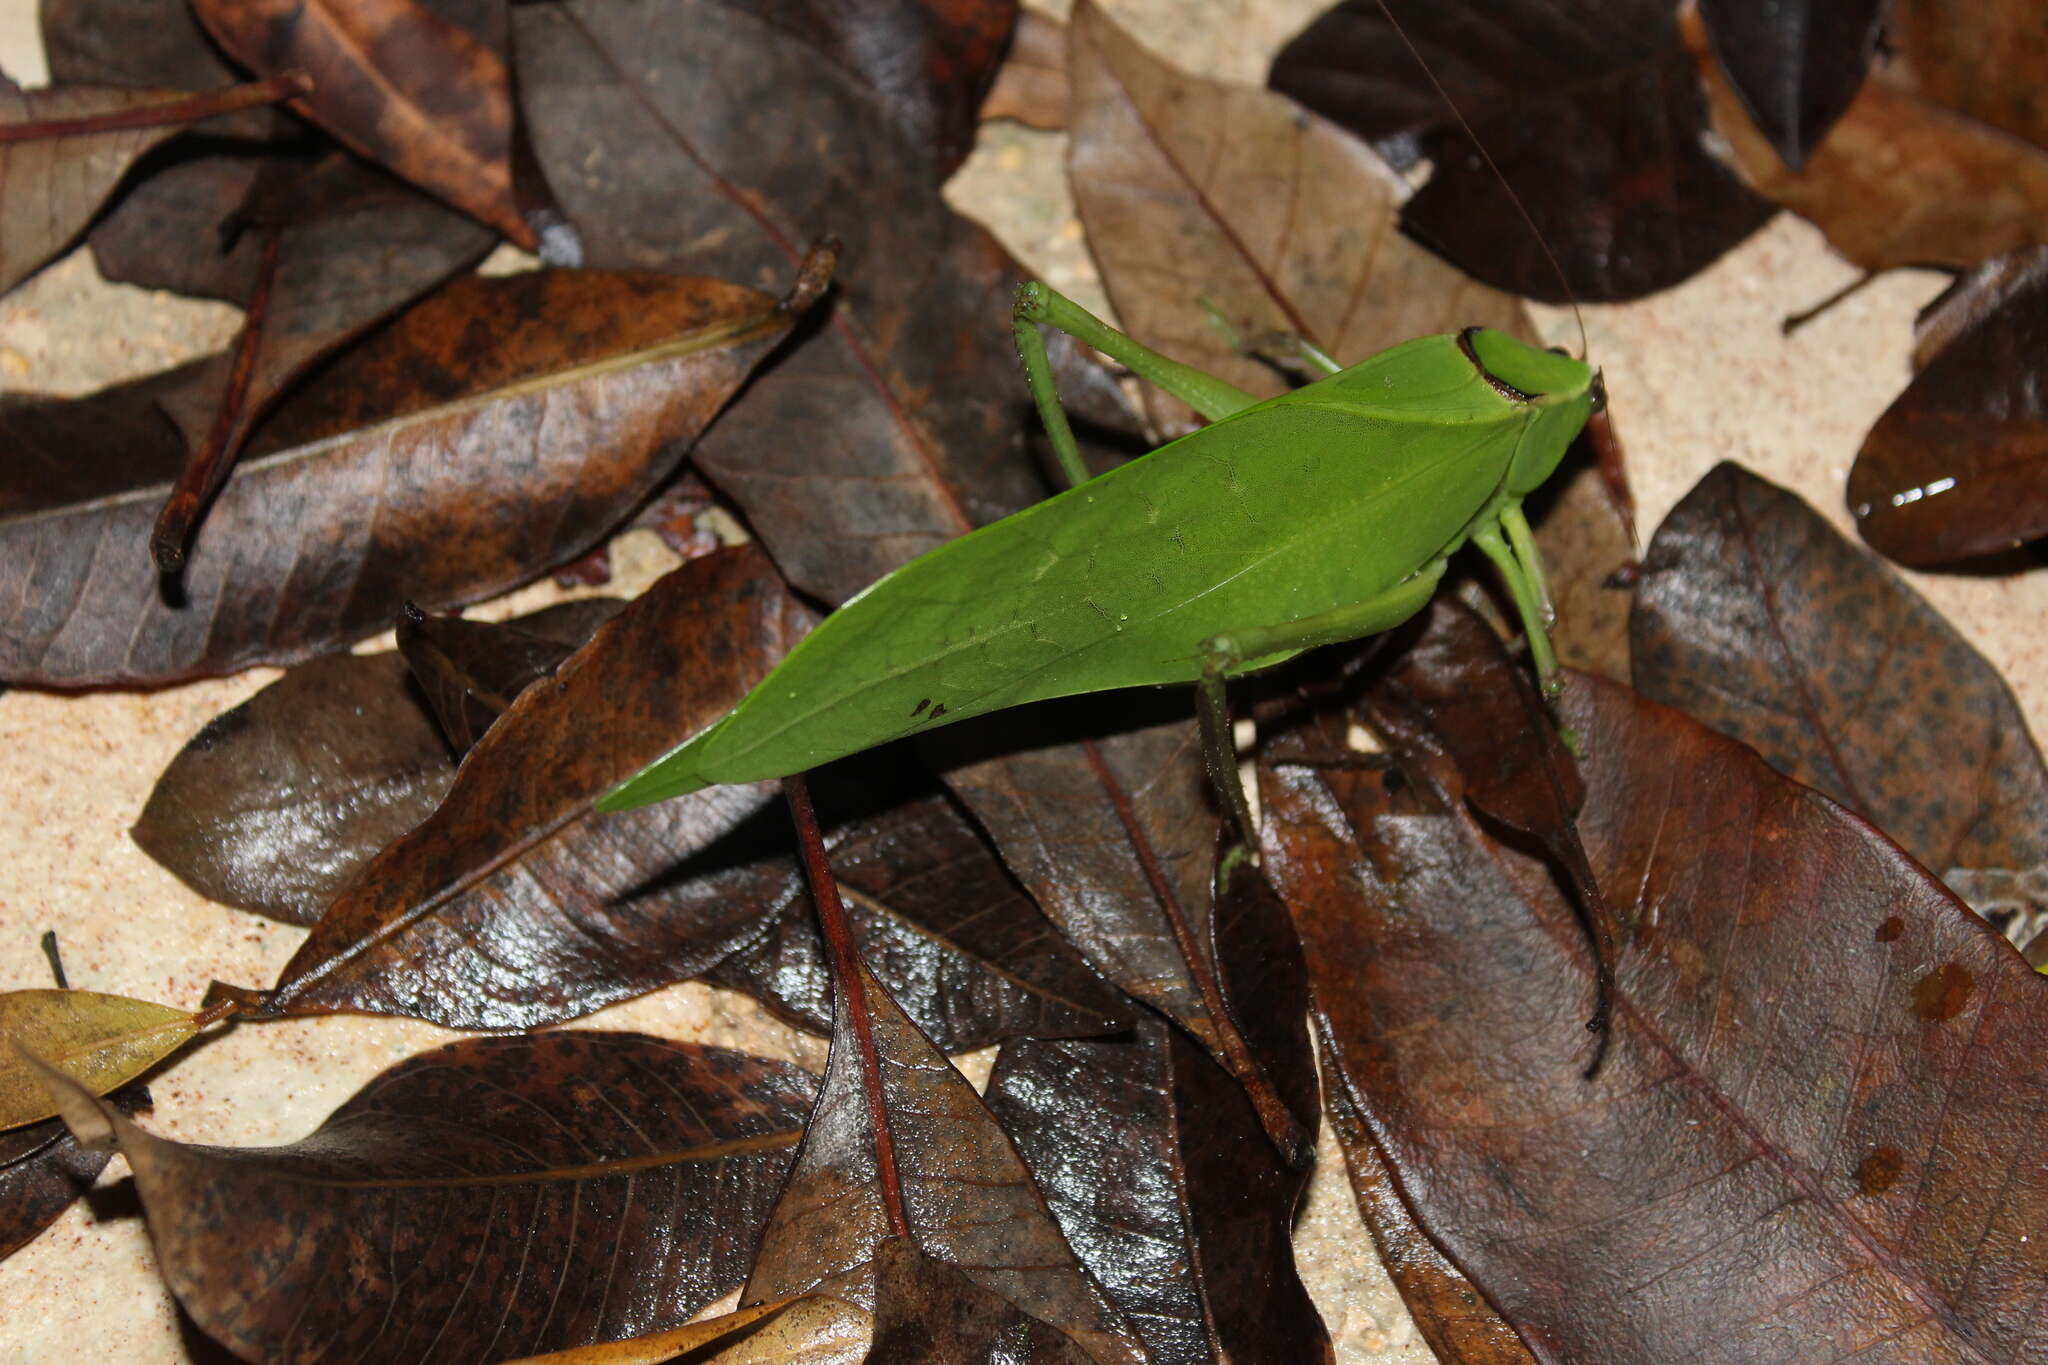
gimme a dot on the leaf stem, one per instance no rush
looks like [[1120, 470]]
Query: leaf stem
[[283, 86], [848, 977]]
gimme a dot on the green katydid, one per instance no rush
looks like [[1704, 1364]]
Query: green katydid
[[1323, 515]]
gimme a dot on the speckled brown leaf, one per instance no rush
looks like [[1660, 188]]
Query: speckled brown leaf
[[1796, 65], [930, 61], [1756, 617], [1106, 816], [816, 1329], [1200, 194], [134, 43], [1958, 465], [1159, 1171], [687, 134], [1901, 180], [928, 1313], [44, 1170], [514, 905], [51, 187], [968, 1197], [1814, 1135], [399, 81], [276, 804], [471, 671], [488, 1199], [958, 944], [1590, 109], [1460, 1326], [314, 545]]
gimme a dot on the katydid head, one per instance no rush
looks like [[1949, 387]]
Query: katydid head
[[1564, 392]]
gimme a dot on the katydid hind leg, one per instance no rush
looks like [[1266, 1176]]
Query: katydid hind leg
[[1039, 303], [1525, 587]]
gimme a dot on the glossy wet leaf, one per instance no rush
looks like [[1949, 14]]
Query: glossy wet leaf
[[490, 1198], [1159, 1170], [1957, 467], [1199, 194], [816, 1329], [314, 545], [1590, 111], [277, 803], [1796, 66], [1902, 179], [958, 944], [1756, 617], [401, 82], [102, 1041], [1102, 810], [930, 61], [1810, 1137], [515, 906], [928, 1313], [44, 1170], [967, 1195], [53, 186], [471, 671], [653, 138]]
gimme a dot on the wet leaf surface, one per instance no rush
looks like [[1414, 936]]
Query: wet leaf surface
[[1958, 465], [968, 1197], [1901, 180], [276, 804], [513, 905], [101, 1041], [1591, 114], [813, 1330], [403, 82], [43, 1171], [1756, 617], [53, 186], [1105, 815], [312, 546], [599, 1185], [900, 422], [1821, 1095], [929, 61], [1796, 66], [1159, 1171], [471, 671], [928, 1313], [1201, 195], [957, 943]]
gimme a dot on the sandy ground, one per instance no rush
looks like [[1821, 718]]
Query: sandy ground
[[1697, 375]]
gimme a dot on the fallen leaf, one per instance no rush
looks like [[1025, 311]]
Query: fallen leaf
[[56, 180], [172, 229], [1989, 60], [101, 1041], [930, 61], [1957, 467], [1811, 1137], [1593, 117], [1756, 617], [471, 671], [1796, 65], [816, 1329], [1901, 180], [277, 803], [514, 906], [493, 1197], [399, 81], [309, 547], [135, 43], [928, 1313], [1205, 199], [1031, 86], [44, 1170], [966, 1193], [901, 422], [955, 941]]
